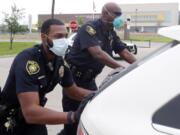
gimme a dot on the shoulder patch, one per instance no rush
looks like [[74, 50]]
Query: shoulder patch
[[32, 67], [90, 30], [61, 71]]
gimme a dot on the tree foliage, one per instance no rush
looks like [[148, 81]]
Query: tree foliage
[[12, 21], [80, 20]]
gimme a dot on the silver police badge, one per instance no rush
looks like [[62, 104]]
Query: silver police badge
[[66, 64], [61, 71]]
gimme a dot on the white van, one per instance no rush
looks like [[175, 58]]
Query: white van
[[143, 99]]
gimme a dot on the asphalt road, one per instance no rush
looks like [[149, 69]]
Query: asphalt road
[[54, 97]]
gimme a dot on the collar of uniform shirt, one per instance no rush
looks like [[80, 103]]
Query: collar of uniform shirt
[[45, 56], [105, 27]]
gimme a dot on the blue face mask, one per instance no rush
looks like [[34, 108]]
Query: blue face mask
[[118, 22], [59, 46]]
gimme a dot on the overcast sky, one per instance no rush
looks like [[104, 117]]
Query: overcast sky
[[35, 7]]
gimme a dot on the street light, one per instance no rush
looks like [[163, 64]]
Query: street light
[[52, 10]]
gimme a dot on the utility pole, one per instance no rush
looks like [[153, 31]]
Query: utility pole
[[30, 23], [136, 21], [127, 28], [94, 9], [52, 10]]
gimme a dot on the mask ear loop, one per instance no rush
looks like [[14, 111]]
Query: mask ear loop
[[48, 46]]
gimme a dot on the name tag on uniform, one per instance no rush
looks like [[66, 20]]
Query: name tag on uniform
[[41, 77]]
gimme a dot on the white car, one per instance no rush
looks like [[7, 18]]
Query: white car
[[143, 99], [130, 46]]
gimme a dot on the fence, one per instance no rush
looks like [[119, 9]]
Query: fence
[[141, 43]]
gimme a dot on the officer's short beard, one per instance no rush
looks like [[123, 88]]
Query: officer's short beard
[[48, 45], [108, 24]]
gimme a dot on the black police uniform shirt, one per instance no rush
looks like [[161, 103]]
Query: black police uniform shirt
[[30, 72], [89, 35]]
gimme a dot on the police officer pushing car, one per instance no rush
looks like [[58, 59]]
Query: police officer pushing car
[[35, 72], [92, 50]]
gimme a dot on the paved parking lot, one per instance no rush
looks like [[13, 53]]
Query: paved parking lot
[[55, 96]]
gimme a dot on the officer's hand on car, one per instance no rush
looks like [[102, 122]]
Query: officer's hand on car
[[73, 117], [116, 71]]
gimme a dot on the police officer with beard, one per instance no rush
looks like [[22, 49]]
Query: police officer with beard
[[92, 50], [34, 73]]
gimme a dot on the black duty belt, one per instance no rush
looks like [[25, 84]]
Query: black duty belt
[[83, 74]]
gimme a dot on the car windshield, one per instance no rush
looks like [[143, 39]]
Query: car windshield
[[110, 79]]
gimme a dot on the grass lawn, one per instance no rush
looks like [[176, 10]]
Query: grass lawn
[[156, 38], [17, 47], [153, 37]]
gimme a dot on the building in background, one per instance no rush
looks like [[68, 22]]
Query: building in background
[[141, 17], [150, 17], [68, 18], [179, 17]]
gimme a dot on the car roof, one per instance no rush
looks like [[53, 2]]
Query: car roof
[[172, 32]]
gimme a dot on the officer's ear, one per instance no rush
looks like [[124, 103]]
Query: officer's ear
[[43, 36]]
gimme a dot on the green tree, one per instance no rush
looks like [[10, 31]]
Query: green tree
[[39, 25], [12, 21], [80, 20]]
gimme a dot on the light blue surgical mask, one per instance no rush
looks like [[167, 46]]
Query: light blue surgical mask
[[118, 22], [59, 46]]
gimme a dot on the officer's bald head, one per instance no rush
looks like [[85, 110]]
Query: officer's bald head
[[111, 9]]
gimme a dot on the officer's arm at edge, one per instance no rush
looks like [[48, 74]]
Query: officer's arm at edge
[[76, 92], [127, 56], [103, 57], [36, 114]]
